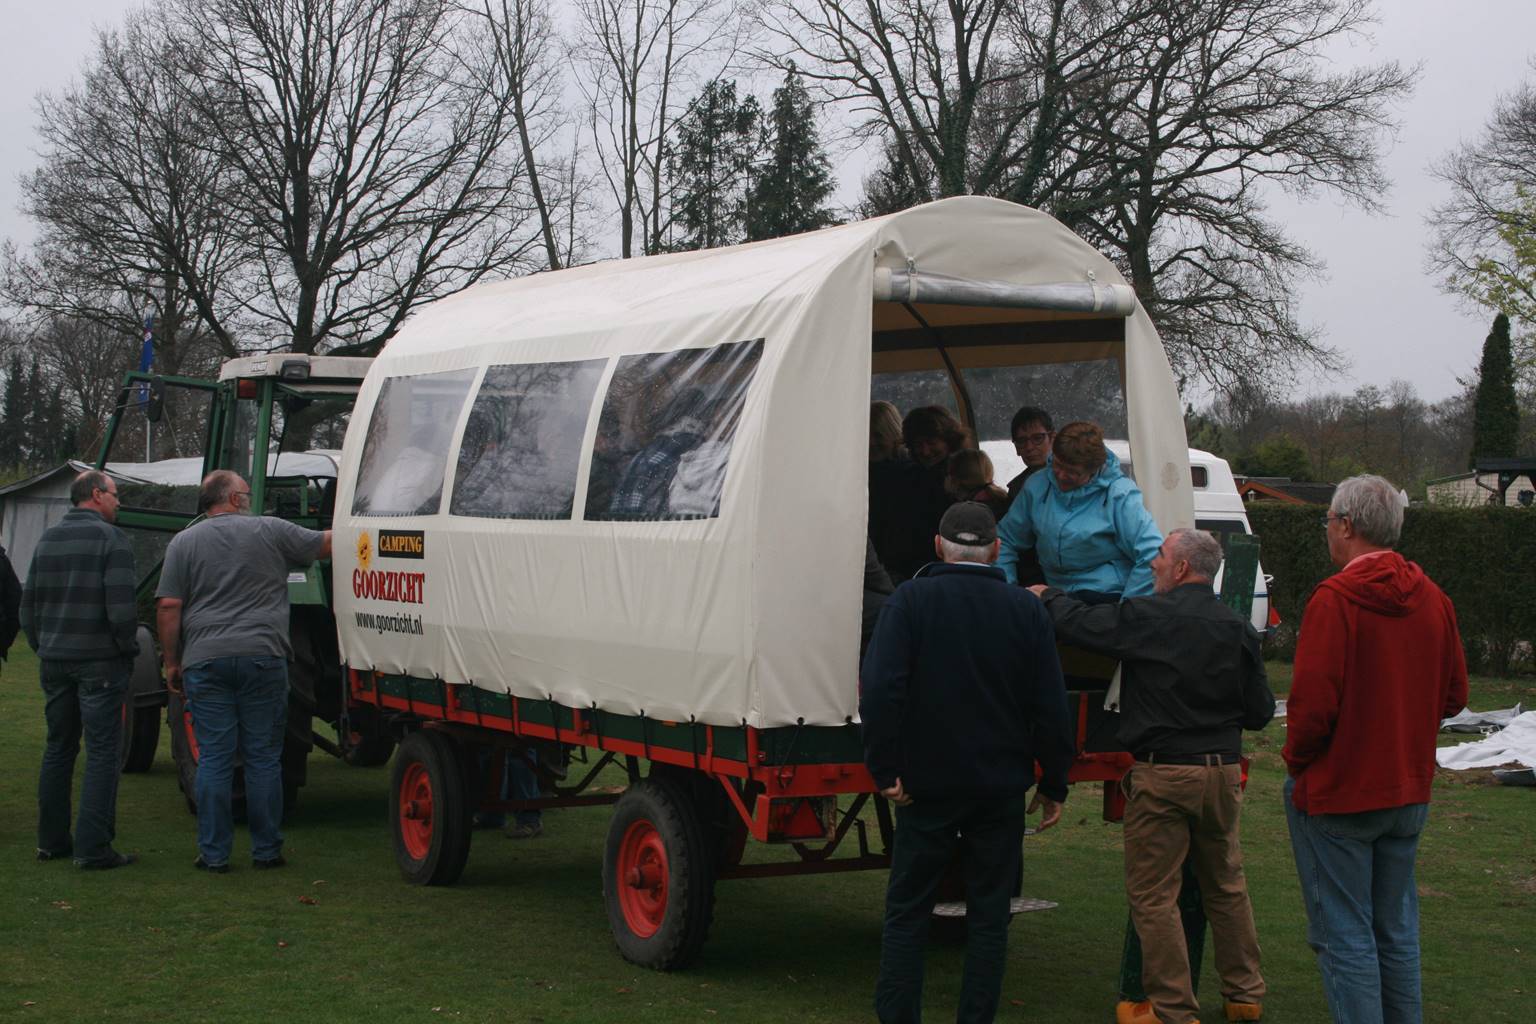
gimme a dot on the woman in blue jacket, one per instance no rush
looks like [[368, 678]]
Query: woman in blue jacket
[[1085, 519]]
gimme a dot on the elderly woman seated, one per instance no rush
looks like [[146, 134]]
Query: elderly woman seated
[[1086, 521]]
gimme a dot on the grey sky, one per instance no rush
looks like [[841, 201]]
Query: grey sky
[[1377, 306]]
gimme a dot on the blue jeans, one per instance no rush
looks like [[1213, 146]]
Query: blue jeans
[[1362, 908], [239, 702], [519, 781], [82, 699]]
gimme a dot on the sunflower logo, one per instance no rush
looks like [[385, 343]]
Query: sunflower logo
[[364, 551]]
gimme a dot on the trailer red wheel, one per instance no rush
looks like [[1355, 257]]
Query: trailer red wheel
[[658, 876], [430, 813], [642, 878]]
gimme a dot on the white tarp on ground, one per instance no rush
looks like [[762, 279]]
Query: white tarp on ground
[[749, 616], [1516, 742], [1467, 720]]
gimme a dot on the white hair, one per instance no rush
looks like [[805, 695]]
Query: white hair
[[956, 552], [1200, 549], [1373, 507]]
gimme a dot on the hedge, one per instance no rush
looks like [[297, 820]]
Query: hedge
[[1483, 558]]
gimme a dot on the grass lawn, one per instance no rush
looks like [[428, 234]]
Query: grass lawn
[[338, 936]]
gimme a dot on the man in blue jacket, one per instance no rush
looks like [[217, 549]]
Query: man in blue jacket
[[961, 693]]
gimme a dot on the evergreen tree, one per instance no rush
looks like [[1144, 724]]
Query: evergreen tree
[[13, 415], [41, 433], [789, 194], [890, 188], [711, 164], [1495, 414]]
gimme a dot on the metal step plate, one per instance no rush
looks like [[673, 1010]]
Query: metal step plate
[[1017, 905]]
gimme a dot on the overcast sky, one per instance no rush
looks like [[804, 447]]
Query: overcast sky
[[1377, 306]]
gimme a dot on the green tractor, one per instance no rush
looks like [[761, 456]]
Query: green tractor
[[166, 433]]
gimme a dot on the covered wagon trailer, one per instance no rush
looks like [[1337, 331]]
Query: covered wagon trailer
[[623, 508]]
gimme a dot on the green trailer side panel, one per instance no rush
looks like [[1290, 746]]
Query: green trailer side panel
[[787, 745]]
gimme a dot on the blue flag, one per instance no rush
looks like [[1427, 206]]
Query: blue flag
[[147, 356]]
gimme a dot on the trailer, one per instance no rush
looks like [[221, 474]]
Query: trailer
[[618, 511]]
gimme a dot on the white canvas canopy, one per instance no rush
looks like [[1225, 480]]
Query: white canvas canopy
[[739, 600]]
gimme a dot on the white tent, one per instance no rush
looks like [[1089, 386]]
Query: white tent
[[744, 611]]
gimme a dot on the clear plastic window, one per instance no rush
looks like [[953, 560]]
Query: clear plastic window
[[1087, 390], [664, 440], [522, 443], [405, 452]]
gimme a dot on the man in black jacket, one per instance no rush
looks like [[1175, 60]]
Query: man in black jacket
[[79, 613], [10, 605], [1193, 681], [961, 693]]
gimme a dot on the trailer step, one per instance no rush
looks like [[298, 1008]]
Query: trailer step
[[1017, 905]]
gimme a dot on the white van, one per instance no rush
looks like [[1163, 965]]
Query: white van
[[1218, 507]]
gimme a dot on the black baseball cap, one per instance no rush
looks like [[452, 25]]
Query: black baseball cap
[[969, 523]]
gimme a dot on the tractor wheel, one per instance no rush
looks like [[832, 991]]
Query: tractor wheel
[[658, 876], [430, 813], [141, 725]]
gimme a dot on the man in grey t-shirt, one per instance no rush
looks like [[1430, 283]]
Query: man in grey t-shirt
[[223, 618]]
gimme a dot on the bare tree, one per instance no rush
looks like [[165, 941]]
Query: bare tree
[[1230, 97], [1149, 126], [1478, 232], [640, 57], [518, 36], [132, 209], [376, 167]]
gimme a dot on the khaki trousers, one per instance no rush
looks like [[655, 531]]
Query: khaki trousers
[[1173, 812]]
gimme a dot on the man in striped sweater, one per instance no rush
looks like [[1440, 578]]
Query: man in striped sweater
[[78, 613]]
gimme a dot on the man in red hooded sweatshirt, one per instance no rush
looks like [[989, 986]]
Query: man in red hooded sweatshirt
[[1378, 664]]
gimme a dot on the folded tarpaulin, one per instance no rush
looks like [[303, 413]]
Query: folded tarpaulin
[[1467, 720], [1515, 743]]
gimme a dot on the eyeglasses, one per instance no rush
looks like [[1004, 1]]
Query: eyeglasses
[[237, 494], [1323, 521], [1036, 438], [103, 490]]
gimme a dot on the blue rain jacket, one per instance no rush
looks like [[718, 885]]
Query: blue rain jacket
[[1099, 536]]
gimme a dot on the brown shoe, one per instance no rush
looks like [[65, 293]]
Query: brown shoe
[[1243, 1011]]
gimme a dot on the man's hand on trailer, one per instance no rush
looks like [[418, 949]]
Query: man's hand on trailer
[[896, 795]]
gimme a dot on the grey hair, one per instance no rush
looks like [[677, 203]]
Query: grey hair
[[1199, 548], [216, 489], [954, 552], [1373, 506], [85, 486]]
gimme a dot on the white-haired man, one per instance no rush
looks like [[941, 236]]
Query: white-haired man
[[961, 694], [1193, 680], [1379, 663]]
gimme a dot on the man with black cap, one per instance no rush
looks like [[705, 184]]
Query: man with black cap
[[961, 693]]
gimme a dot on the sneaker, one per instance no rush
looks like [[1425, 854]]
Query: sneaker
[[113, 859], [525, 831], [212, 869], [44, 855], [269, 863], [1243, 1011]]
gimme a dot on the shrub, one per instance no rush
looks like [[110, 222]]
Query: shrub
[[1481, 557]]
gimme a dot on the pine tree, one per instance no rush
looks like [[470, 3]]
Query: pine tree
[[40, 431], [889, 188], [789, 194], [13, 416], [1495, 413], [710, 164]]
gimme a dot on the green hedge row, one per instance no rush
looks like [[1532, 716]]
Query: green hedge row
[[1483, 558]]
